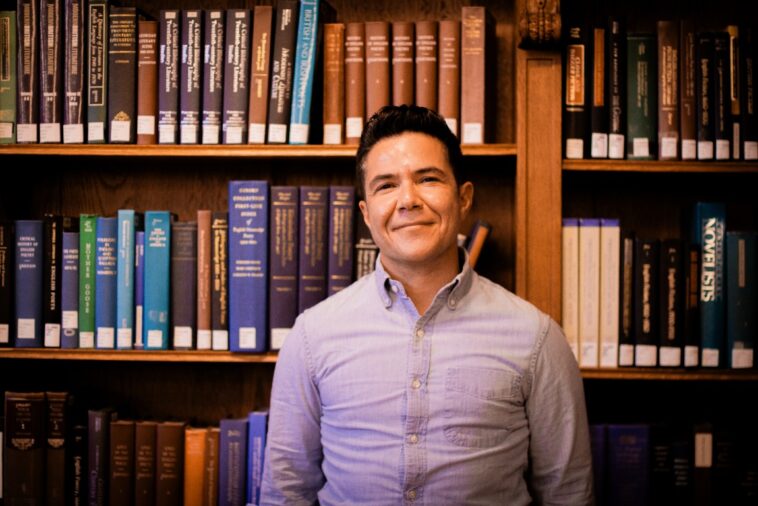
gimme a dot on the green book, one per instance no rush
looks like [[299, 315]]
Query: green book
[[87, 269], [7, 77], [642, 96]]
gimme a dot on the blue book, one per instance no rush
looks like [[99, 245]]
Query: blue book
[[305, 64], [628, 464], [232, 481], [313, 245], [741, 298], [70, 291], [105, 283], [29, 283], [598, 443], [283, 262], [125, 279], [341, 243], [256, 447], [157, 265], [710, 224], [248, 265], [139, 286]]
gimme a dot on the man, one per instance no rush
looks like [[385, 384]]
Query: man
[[424, 383]]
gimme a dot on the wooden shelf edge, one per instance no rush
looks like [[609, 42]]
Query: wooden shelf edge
[[220, 151], [658, 166], [138, 355], [670, 374]]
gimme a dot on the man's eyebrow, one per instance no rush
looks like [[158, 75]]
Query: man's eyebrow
[[381, 177], [429, 170]]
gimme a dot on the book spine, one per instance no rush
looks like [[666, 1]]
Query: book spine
[[598, 100], [29, 275], [570, 283], [144, 463], [668, 90], [403, 41], [260, 74], [626, 300], [687, 89], [213, 76], [125, 264], [575, 112], [190, 82], [8, 88], [355, 81], [168, 77], [169, 464], [51, 287], [426, 64], [671, 299], [706, 131], [589, 292], [236, 76], [147, 81], [641, 101], [334, 74], [284, 262], [449, 73], [341, 225], [285, 36], [629, 463], [366, 250], [748, 53], [24, 474], [77, 466], [475, 35], [121, 477], [711, 222], [157, 269], [313, 243], [51, 70], [74, 72], [7, 292], [248, 265], [27, 73], [97, 58], [741, 298], [647, 258], [692, 307], [98, 461], [616, 86], [183, 283], [57, 449], [105, 283], [220, 278], [610, 243], [211, 467], [305, 65], [377, 66], [70, 291], [599, 448], [139, 288], [194, 476], [204, 269], [256, 444], [87, 257], [232, 455], [734, 96], [722, 117]]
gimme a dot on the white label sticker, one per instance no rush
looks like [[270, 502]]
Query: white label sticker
[[145, 125], [52, 335], [247, 338], [73, 134], [120, 130]]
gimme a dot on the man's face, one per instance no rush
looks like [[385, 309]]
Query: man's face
[[413, 205]]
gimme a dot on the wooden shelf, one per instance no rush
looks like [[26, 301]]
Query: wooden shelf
[[220, 151], [671, 374], [658, 166], [137, 355]]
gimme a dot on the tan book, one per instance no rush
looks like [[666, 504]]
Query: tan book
[[402, 62], [204, 217], [194, 460], [377, 66], [426, 64], [449, 75], [210, 466], [260, 69], [476, 25], [355, 81], [147, 82], [334, 82]]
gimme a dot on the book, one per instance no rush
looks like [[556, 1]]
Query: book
[[628, 464], [51, 70], [334, 74], [426, 64], [194, 460], [27, 71], [669, 54], [403, 64], [741, 296], [105, 283], [169, 464], [378, 85], [144, 462], [25, 448], [260, 74], [98, 455], [355, 81], [570, 283], [366, 250], [147, 81], [671, 300], [734, 95], [709, 225], [341, 226], [204, 264], [8, 77], [449, 73], [589, 292], [646, 266], [575, 105], [704, 64], [236, 76], [692, 307], [477, 74], [610, 244], [211, 466], [213, 75], [121, 472], [598, 105], [157, 270], [74, 72], [168, 76], [641, 100], [232, 461], [51, 279], [7, 289], [139, 288], [282, 64], [598, 446], [626, 299], [122, 68], [184, 284], [87, 270], [28, 283], [313, 229], [749, 120], [127, 225], [257, 422], [722, 117], [190, 76], [283, 244], [97, 59], [77, 464], [616, 87], [220, 281], [58, 413], [687, 89]]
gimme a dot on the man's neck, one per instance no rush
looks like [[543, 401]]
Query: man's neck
[[422, 282]]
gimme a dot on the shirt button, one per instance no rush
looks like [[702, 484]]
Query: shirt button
[[394, 288], [413, 438], [410, 495], [416, 384], [453, 302], [419, 333]]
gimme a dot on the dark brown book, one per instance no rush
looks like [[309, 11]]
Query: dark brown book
[[236, 76], [121, 485], [210, 466], [377, 66], [77, 466], [144, 463], [355, 81], [27, 84], [98, 459], [449, 75], [285, 36], [476, 31], [122, 66], [24, 465], [426, 64], [58, 406], [147, 82], [191, 76], [403, 64], [204, 262], [169, 463], [51, 70], [687, 90], [74, 71], [668, 90], [260, 72], [334, 79]]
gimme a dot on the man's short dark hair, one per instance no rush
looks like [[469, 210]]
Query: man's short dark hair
[[394, 120]]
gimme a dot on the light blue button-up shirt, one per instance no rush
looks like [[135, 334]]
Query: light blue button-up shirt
[[478, 401]]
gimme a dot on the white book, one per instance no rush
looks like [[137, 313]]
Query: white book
[[589, 292], [570, 283], [610, 240]]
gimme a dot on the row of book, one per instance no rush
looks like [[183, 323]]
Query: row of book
[[670, 95], [232, 76], [647, 302], [50, 458]]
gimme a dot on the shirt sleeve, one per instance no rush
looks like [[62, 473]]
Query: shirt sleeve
[[292, 471], [559, 447]]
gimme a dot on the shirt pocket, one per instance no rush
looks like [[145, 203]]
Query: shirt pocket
[[481, 405]]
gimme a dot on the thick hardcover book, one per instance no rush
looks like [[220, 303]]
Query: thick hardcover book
[[169, 463], [626, 300], [355, 81], [51, 70], [139, 288], [8, 77], [122, 67], [313, 246], [282, 64], [570, 283], [232, 459], [147, 81], [213, 75], [741, 298], [576, 88], [70, 291], [704, 64], [710, 224], [703, 464], [236, 76], [616, 88], [334, 75], [27, 73], [597, 96], [610, 244], [77, 465], [248, 265], [191, 75], [734, 96], [687, 89], [28, 283], [98, 461], [366, 250], [125, 263], [378, 84], [403, 63], [220, 281], [260, 73], [661, 465], [641, 98], [749, 125], [647, 261], [628, 464], [681, 466], [105, 283], [671, 300], [477, 74], [51, 280], [87, 258], [449, 73], [426, 64], [25, 448], [157, 270], [668, 90], [97, 61], [168, 76], [7, 292], [74, 71], [692, 307], [598, 446], [341, 226], [121, 474], [57, 435], [144, 463], [283, 258], [589, 292], [256, 446], [210, 466], [194, 473], [722, 115], [183, 283], [204, 266]]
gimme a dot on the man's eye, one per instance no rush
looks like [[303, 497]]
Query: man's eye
[[383, 186], [430, 179]]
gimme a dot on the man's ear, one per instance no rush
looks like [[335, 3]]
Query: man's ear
[[466, 197], [364, 211]]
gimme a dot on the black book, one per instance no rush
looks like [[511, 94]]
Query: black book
[[706, 131], [626, 299], [190, 88], [27, 108], [615, 72], [576, 84], [7, 270], [598, 95], [692, 307], [748, 75], [51, 272], [646, 259], [671, 300], [51, 70], [282, 63], [168, 77], [122, 65], [184, 283], [213, 76], [76, 460], [74, 74], [236, 76], [721, 101]]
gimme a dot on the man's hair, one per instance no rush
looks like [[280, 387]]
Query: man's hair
[[394, 120]]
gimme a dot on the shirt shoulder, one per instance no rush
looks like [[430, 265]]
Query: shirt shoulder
[[516, 313]]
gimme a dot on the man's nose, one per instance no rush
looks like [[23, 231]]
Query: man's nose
[[409, 197]]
